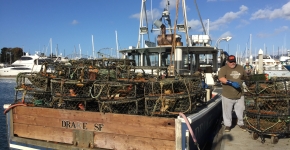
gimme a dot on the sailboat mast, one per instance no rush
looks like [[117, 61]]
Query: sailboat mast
[[117, 50], [80, 50], [50, 48], [93, 46], [56, 50]]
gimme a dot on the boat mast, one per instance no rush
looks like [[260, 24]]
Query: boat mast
[[117, 49], [174, 39], [50, 48], [93, 46], [143, 29], [56, 50], [80, 50], [188, 43]]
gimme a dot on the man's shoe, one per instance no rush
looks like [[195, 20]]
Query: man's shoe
[[227, 129], [243, 128]]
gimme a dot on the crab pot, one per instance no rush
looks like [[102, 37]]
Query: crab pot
[[267, 122], [36, 80], [114, 90], [169, 104], [280, 105], [122, 106], [33, 97], [75, 103], [258, 77], [171, 96], [79, 73], [106, 75], [267, 107], [270, 88], [23, 82], [71, 88], [172, 86]]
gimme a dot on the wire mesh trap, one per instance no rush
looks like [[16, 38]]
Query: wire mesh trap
[[267, 108]]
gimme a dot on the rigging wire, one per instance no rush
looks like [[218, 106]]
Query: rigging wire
[[199, 16], [174, 36]]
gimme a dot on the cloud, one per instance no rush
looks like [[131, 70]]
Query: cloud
[[268, 13], [194, 24], [243, 23], [227, 18], [151, 15], [221, 22], [281, 29], [276, 31], [74, 22]]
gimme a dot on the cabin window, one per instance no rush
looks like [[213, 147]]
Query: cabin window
[[135, 56], [26, 58], [151, 59], [206, 63]]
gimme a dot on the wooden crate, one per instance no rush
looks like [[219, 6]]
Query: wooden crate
[[94, 129]]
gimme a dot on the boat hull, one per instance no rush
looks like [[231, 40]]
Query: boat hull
[[277, 73], [287, 67], [13, 71], [48, 128]]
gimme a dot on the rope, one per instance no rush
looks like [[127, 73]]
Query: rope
[[246, 118], [259, 91], [189, 97], [159, 99], [100, 91]]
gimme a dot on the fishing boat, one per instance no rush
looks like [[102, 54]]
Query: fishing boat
[[160, 96]]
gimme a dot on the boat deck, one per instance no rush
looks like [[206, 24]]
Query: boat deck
[[242, 140]]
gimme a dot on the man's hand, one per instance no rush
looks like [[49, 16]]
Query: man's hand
[[233, 84]]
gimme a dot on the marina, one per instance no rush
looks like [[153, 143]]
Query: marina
[[122, 103], [156, 95]]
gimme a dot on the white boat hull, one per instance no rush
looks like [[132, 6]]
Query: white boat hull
[[14, 71]]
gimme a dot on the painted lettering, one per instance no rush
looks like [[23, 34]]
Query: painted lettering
[[84, 126], [80, 125], [63, 124], [74, 125], [98, 126]]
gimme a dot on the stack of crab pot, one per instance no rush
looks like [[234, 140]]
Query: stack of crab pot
[[267, 110]]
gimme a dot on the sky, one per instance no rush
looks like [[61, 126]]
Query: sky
[[90, 26]]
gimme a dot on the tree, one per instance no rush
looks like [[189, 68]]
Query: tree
[[11, 54]]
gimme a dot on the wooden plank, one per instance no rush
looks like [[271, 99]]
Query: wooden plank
[[101, 140], [178, 134], [114, 128], [122, 142], [133, 120], [43, 133]]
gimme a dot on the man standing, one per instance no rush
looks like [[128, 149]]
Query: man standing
[[231, 76], [248, 68]]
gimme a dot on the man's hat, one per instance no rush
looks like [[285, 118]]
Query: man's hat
[[232, 58]]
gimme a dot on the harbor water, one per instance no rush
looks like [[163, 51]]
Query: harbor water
[[7, 96]]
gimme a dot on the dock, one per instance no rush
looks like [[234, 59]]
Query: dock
[[237, 139]]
